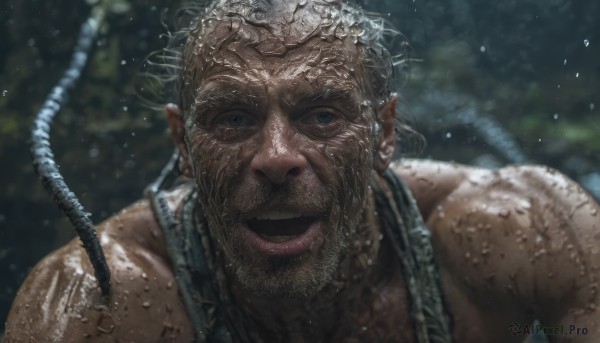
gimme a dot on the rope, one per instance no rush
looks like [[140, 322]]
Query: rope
[[43, 158]]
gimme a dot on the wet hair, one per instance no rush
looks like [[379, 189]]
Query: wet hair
[[382, 48]]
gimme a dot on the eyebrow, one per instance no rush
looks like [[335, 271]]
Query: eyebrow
[[219, 96], [330, 94]]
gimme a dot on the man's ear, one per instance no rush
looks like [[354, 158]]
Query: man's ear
[[385, 150], [175, 120]]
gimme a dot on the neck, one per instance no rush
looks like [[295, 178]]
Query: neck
[[360, 269]]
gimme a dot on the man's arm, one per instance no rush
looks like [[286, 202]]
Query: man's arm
[[524, 241], [61, 302]]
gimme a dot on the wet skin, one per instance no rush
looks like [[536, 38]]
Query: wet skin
[[509, 246], [268, 137], [267, 140]]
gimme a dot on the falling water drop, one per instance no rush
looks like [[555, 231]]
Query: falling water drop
[[4, 92], [586, 42]]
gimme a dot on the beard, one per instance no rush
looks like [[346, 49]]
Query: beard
[[341, 200]]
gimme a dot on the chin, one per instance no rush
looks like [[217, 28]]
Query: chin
[[298, 277]]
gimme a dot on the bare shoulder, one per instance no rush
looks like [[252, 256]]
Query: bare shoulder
[[60, 300], [431, 181], [526, 234]]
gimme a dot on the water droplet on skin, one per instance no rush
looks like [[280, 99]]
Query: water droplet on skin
[[538, 239], [440, 210], [504, 213], [146, 304]]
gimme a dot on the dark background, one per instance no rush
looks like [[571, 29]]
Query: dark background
[[491, 84]]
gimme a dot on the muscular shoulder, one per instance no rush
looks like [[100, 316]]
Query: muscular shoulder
[[506, 193], [60, 300], [527, 234]]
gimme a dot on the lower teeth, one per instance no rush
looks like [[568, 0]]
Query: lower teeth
[[278, 239]]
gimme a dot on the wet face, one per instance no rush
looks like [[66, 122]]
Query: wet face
[[281, 146]]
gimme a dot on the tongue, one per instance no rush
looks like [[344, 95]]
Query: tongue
[[281, 227]]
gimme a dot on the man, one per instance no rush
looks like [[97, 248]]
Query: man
[[286, 125]]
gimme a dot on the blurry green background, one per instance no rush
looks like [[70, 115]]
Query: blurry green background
[[491, 84]]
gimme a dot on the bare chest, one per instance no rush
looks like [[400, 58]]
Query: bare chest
[[384, 315]]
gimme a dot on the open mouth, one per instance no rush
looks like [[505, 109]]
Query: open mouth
[[282, 232], [280, 226]]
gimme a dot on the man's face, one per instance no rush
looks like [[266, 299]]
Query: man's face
[[281, 148]]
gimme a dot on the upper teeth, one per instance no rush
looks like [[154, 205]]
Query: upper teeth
[[278, 215]]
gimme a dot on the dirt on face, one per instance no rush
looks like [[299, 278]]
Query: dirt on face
[[280, 136]]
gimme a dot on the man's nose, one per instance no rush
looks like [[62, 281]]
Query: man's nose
[[278, 157]]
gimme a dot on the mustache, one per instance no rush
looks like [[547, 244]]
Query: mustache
[[293, 195]]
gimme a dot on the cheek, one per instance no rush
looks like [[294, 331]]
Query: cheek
[[349, 151], [213, 160]]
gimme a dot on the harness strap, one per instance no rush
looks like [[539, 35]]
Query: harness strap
[[411, 241], [213, 315]]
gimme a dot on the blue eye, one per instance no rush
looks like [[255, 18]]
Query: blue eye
[[236, 120], [324, 117]]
